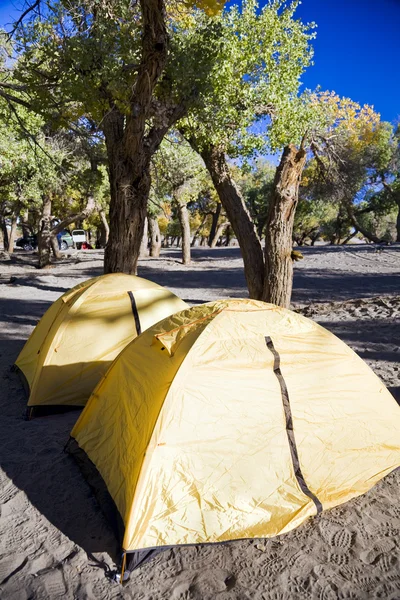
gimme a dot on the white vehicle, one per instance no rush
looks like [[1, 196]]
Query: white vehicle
[[79, 237]]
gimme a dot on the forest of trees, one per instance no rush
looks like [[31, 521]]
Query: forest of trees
[[163, 122]]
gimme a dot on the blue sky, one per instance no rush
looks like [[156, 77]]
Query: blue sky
[[357, 50]]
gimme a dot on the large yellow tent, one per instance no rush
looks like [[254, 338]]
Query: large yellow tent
[[79, 336], [235, 419]]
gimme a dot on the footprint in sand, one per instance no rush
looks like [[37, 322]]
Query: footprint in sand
[[388, 562], [340, 560], [341, 539], [382, 547], [55, 585]]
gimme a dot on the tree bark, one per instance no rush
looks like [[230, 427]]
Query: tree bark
[[183, 216], [239, 218], [398, 223], [145, 240], [279, 229], [155, 237]]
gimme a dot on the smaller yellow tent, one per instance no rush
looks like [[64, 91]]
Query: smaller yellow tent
[[235, 419], [79, 336]]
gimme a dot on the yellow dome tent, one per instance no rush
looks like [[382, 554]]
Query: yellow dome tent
[[235, 419], [79, 336]]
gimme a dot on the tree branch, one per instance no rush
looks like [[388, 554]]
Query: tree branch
[[15, 99], [89, 208], [22, 17]]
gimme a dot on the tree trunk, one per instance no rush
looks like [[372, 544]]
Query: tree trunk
[[183, 216], [54, 245], [26, 228], [105, 228], [214, 224], [74, 218], [370, 236], [218, 234], [239, 218], [13, 234], [155, 237], [398, 223], [5, 233], [45, 234], [129, 187], [131, 143], [349, 237], [145, 240], [279, 230], [228, 234]]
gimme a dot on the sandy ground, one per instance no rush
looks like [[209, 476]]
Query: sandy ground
[[54, 539]]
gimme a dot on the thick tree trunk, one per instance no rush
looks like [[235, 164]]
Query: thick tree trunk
[[279, 229], [130, 147], [239, 218], [183, 216], [45, 234], [214, 224], [105, 228], [144, 252], [129, 187], [155, 237]]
